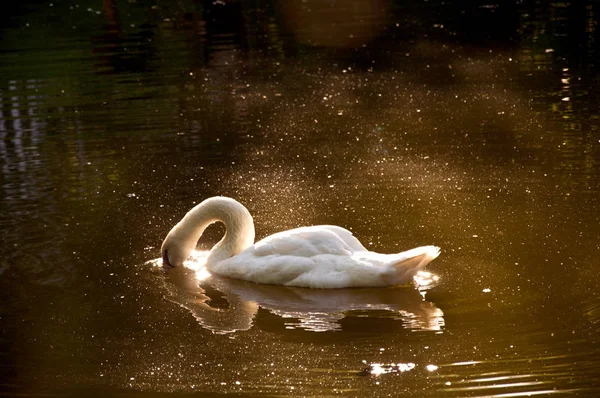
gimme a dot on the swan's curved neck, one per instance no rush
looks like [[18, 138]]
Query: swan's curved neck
[[239, 234]]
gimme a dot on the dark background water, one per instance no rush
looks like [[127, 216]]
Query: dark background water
[[475, 127]]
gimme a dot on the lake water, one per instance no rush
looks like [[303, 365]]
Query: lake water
[[472, 127]]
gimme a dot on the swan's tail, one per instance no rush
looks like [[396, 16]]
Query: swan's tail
[[405, 265]]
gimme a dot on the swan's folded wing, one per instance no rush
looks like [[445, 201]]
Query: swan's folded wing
[[308, 256], [346, 236], [304, 242]]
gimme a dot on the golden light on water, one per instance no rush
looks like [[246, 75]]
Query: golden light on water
[[425, 280], [197, 263], [466, 363], [202, 274], [377, 369], [469, 125]]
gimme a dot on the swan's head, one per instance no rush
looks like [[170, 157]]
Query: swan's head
[[175, 250], [165, 259]]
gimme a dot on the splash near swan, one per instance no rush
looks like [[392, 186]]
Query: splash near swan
[[322, 256]]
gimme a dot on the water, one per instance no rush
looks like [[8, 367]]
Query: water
[[475, 128]]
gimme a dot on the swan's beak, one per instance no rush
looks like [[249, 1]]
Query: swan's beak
[[166, 260]]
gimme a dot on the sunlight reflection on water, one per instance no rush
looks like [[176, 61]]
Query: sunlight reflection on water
[[486, 382], [377, 369]]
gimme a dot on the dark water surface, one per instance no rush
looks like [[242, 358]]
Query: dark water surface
[[475, 128]]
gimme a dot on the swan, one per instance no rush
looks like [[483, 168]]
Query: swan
[[321, 256]]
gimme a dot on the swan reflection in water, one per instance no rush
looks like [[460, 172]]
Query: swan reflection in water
[[316, 310]]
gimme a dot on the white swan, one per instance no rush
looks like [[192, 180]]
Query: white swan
[[322, 256]]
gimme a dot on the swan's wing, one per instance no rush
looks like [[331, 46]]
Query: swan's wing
[[346, 236], [298, 253], [321, 257], [308, 242]]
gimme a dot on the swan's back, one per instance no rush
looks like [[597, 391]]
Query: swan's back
[[322, 257], [309, 241]]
